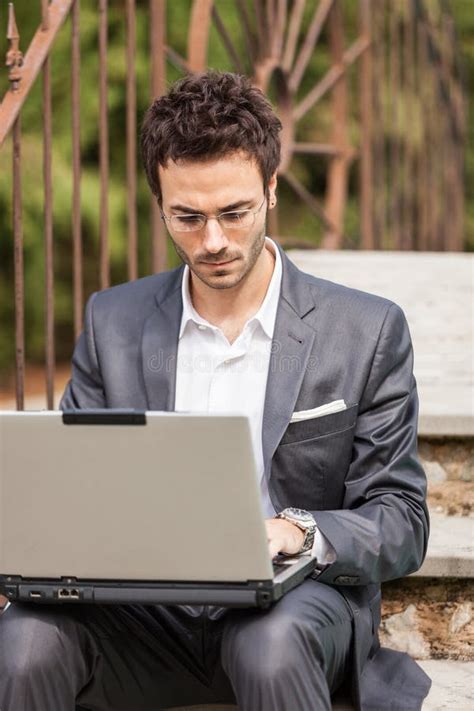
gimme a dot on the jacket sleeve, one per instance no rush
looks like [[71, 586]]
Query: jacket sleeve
[[85, 389], [381, 532]]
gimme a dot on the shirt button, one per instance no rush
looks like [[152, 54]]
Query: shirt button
[[201, 327]]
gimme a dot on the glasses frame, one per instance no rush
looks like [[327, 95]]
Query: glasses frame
[[254, 213]]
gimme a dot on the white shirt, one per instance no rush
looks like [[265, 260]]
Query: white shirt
[[212, 373]]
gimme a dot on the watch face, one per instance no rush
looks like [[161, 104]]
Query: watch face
[[299, 515]]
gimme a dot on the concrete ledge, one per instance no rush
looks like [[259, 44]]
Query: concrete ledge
[[446, 426], [450, 548], [434, 289], [453, 685]]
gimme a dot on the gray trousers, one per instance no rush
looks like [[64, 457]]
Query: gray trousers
[[145, 658]]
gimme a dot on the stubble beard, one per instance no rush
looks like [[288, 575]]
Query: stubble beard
[[253, 255]]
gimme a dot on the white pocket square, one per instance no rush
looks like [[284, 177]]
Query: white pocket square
[[328, 409]]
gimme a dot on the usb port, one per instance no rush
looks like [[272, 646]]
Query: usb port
[[35, 594]]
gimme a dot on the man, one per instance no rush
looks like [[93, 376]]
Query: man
[[239, 326]]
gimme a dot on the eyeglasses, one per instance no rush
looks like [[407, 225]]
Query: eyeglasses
[[233, 220]]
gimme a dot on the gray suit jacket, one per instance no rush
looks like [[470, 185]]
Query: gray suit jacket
[[356, 470]]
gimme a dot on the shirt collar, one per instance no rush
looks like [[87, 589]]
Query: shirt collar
[[265, 315]]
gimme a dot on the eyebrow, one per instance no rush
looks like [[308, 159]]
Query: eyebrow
[[227, 208]]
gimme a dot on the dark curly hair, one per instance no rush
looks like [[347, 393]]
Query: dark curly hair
[[207, 116]]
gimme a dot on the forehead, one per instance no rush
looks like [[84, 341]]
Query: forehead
[[212, 184]]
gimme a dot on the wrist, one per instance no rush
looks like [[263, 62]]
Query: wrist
[[304, 521]]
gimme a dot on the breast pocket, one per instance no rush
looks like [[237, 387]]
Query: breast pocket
[[311, 461], [320, 426]]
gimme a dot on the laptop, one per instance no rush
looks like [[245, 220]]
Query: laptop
[[131, 507]]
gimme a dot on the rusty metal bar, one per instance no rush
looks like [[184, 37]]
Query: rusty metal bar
[[157, 88], [378, 127], [338, 168], [327, 149], [48, 221], [308, 199], [331, 77], [30, 66], [14, 59], [408, 59], [176, 59], [45, 15], [131, 142], [227, 42], [198, 36], [103, 148], [422, 231], [309, 43], [279, 28], [366, 122], [294, 26], [269, 15], [76, 168], [261, 26], [19, 271], [249, 37], [394, 69]]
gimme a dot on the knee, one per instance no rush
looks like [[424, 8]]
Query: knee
[[31, 641], [270, 650]]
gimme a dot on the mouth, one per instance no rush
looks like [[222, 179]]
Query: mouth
[[219, 264]]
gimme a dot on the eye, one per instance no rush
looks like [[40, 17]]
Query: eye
[[188, 220], [233, 216]]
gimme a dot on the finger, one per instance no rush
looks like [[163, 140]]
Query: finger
[[274, 546]]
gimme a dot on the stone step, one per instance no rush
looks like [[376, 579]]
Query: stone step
[[453, 685], [450, 547], [432, 289], [429, 618]]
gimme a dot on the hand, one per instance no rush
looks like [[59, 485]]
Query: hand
[[283, 536]]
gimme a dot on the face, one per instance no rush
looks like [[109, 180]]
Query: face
[[220, 258]]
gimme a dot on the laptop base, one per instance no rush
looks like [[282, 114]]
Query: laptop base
[[259, 594]]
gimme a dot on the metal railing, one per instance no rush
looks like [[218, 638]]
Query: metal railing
[[402, 53]]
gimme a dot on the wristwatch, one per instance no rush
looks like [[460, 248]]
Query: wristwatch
[[305, 521]]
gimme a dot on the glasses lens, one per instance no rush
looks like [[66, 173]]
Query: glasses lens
[[187, 223], [236, 220]]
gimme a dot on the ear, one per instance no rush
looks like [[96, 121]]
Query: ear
[[272, 185]]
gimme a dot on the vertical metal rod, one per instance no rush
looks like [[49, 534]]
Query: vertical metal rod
[[395, 125], [338, 168], [131, 141], [410, 167], [158, 83], [103, 148], [76, 168], [422, 221], [366, 114], [48, 222], [378, 132], [19, 272], [45, 14]]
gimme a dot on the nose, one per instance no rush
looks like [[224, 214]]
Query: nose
[[215, 239]]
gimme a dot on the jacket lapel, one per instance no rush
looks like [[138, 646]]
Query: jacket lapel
[[160, 344], [291, 348]]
